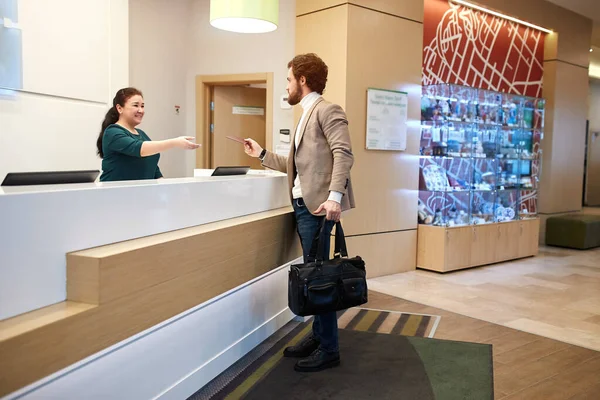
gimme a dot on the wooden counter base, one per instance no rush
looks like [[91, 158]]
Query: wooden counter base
[[447, 249], [140, 283]]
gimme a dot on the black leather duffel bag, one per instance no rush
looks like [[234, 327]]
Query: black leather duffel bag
[[322, 285]]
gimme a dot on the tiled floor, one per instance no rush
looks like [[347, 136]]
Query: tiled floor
[[526, 366], [556, 294]]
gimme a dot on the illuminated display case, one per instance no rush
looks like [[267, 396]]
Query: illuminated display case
[[480, 156], [480, 164]]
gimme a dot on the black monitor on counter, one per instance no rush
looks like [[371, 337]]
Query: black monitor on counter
[[49, 177], [230, 170]]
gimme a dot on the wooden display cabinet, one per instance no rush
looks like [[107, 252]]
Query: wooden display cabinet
[[445, 249]]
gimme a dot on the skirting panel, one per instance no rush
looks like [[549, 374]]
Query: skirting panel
[[386, 253], [174, 359]]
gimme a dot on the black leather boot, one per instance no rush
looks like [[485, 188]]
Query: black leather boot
[[303, 349], [318, 361]]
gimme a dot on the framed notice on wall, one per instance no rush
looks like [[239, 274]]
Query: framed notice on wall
[[386, 119]]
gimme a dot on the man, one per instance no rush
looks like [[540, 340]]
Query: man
[[318, 169]]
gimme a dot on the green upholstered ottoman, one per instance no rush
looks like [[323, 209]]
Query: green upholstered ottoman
[[576, 231]]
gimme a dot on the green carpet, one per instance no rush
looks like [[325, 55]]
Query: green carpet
[[457, 370], [373, 366]]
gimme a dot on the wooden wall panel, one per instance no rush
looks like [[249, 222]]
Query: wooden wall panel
[[83, 279], [311, 6], [429, 237], [410, 9], [39, 352], [566, 89], [325, 33], [385, 182], [29, 321], [548, 93], [385, 253], [133, 268], [551, 47]]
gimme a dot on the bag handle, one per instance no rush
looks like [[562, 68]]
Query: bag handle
[[317, 247], [340, 241]]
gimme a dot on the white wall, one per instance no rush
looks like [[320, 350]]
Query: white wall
[[171, 42], [75, 56], [158, 59]]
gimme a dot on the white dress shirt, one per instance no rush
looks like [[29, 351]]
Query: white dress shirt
[[306, 103]]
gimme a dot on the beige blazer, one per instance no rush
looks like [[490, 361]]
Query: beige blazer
[[323, 159]]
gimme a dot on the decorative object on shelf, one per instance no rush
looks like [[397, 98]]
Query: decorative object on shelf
[[423, 216], [435, 178], [440, 149], [438, 220], [480, 155]]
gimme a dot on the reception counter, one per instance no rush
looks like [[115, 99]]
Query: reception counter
[[173, 278], [41, 224]]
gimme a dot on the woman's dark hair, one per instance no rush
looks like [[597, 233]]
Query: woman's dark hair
[[312, 68], [112, 116]]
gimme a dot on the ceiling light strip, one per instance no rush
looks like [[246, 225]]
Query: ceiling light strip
[[500, 15]]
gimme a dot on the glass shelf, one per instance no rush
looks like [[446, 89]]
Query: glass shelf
[[480, 155]]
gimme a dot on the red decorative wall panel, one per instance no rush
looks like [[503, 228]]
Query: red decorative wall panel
[[469, 47]]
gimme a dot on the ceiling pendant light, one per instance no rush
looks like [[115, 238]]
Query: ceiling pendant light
[[245, 16]]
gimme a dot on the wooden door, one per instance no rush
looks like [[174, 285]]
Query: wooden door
[[483, 245], [458, 248], [508, 241], [431, 247], [529, 237], [238, 111]]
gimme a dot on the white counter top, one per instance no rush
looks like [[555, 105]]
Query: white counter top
[[200, 175], [39, 225]]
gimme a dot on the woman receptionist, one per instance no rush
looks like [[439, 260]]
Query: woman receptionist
[[127, 152]]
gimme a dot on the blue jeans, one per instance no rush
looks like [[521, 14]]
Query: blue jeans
[[325, 327]]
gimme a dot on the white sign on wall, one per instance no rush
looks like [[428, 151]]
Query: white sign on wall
[[247, 110], [386, 119]]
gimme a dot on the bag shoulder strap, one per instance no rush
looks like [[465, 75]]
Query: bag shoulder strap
[[318, 244], [317, 247]]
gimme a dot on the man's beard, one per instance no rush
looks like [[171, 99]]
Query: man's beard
[[294, 97]]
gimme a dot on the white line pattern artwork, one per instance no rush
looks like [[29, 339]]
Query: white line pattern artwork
[[472, 48]]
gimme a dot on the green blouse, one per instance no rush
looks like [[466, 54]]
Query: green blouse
[[122, 160]]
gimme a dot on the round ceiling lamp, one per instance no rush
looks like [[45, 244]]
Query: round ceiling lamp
[[245, 16]]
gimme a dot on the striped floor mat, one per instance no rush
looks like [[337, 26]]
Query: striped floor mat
[[261, 359], [394, 323]]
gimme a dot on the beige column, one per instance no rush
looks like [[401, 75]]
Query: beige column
[[373, 44]]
